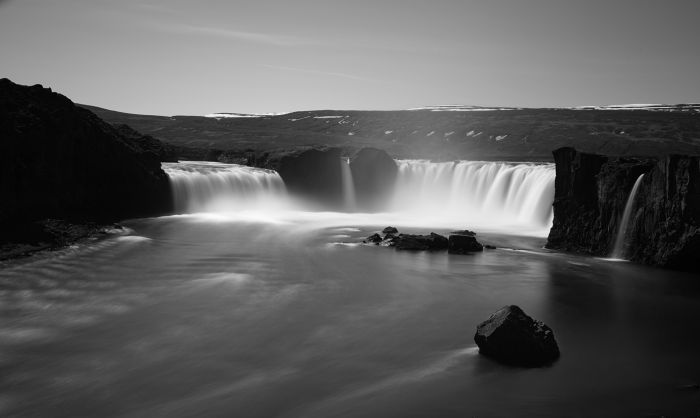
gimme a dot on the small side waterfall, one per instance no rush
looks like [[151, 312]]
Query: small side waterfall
[[349, 201], [619, 249], [214, 187]]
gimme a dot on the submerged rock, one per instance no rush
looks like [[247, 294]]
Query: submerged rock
[[512, 337], [420, 242], [463, 243]]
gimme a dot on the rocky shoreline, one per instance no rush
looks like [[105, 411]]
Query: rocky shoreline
[[49, 235]]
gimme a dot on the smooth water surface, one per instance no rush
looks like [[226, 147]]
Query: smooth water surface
[[210, 316]]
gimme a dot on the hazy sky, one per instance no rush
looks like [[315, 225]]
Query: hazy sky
[[202, 56]]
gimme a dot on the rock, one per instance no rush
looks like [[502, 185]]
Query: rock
[[389, 240], [373, 239], [512, 337], [390, 230], [489, 247], [58, 160], [591, 192], [464, 232], [312, 173], [463, 244], [374, 176], [430, 242]]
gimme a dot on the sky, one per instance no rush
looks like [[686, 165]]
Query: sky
[[176, 57]]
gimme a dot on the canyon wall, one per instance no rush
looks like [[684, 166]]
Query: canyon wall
[[591, 192]]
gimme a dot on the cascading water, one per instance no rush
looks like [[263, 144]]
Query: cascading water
[[514, 198], [348, 185], [619, 249], [214, 187], [476, 193]]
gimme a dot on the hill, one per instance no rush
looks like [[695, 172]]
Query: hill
[[438, 132]]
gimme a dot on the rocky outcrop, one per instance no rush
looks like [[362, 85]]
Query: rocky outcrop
[[431, 242], [374, 177], [591, 192], [58, 160], [463, 242], [373, 239], [512, 337], [313, 174], [390, 230], [147, 144], [459, 242]]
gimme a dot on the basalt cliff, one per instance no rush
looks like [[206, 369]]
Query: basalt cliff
[[591, 192]]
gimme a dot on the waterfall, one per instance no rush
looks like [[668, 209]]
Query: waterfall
[[496, 194], [348, 185], [214, 187], [513, 198], [619, 249]]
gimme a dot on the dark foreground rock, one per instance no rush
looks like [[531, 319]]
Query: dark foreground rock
[[463, 243], [431, 242], [512, 337], [591, 192], [58, 160]]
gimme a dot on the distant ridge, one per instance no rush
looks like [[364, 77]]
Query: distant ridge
[[442, 132], [681, 107]]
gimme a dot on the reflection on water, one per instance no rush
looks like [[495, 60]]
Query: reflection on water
[[219, 316]]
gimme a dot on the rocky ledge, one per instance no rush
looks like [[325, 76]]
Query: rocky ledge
[[458, 242], [591, 192]]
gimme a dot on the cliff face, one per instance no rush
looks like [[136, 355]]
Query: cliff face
[[666, 226], [591, 192], [374, 175], [61, 161], [313, 174]]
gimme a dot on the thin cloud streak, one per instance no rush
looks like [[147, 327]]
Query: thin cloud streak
[[318, 72], [254, 37]]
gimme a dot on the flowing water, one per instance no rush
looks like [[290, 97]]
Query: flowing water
[[620, 240], [277, 312]]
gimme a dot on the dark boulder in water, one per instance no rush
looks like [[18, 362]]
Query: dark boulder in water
[[464, 232], [374, 176], [390, 230], [373, 239], [430, 242], [512, 337], [463, 243]]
